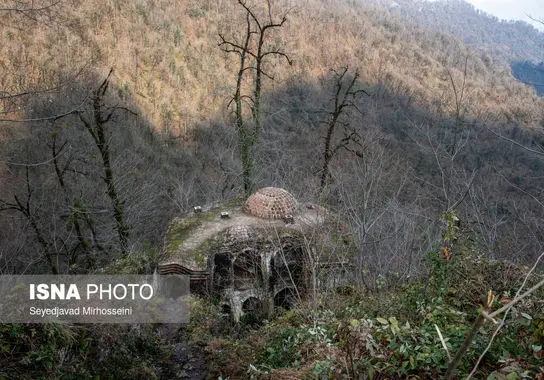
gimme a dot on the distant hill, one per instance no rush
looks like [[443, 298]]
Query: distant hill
[[503, 42]]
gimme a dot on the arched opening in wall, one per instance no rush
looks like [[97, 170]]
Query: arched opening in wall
[[252, 305], [285, 298], [226, 315], [222, 277], [226, 309], [287, 267], [253, 311], [247, 270]]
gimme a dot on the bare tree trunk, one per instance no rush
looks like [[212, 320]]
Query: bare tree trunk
[[248, 135], [76, 213], [98, 130], [344, 98], [327, 154], [26, 209]]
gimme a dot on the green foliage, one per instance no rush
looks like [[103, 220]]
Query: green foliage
[[395, 334], [539, 331], [387, 346], [59, 351], [323, 369], [206, 321], [141, 10], [285, 346], [35, 346], [134, 352], [143, 261], [196, 12], [280, 350], [181, 228], [177, 36]]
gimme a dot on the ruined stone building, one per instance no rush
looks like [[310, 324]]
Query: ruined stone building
[[252, 257]]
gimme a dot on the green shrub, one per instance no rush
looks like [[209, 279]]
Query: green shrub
[[196, 12], [60, 351], [280, 351]]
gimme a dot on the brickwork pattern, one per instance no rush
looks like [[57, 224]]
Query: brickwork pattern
[[271, 203], [240, 233]]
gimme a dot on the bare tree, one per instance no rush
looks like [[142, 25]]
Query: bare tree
[[26, 207], [459, 97], [344, 99], [253, 54], [96, 121], [79, 219]]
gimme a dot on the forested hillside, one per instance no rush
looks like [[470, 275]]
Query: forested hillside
[[117, 116], [501, 42], [174, 83], [500, 39], [157, 48]]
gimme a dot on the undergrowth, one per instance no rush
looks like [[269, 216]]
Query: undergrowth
[[50, 351], [394, 334]]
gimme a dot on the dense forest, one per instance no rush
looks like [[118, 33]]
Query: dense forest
[[116, 117], [502, 42]]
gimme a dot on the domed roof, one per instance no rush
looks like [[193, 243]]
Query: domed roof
[[271, 203]]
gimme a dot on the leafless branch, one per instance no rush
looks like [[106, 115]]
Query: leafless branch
[[539, 152], [48, 118], [506, 309], [31, 9]]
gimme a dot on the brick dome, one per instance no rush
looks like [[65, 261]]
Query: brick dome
[[271, 203]]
